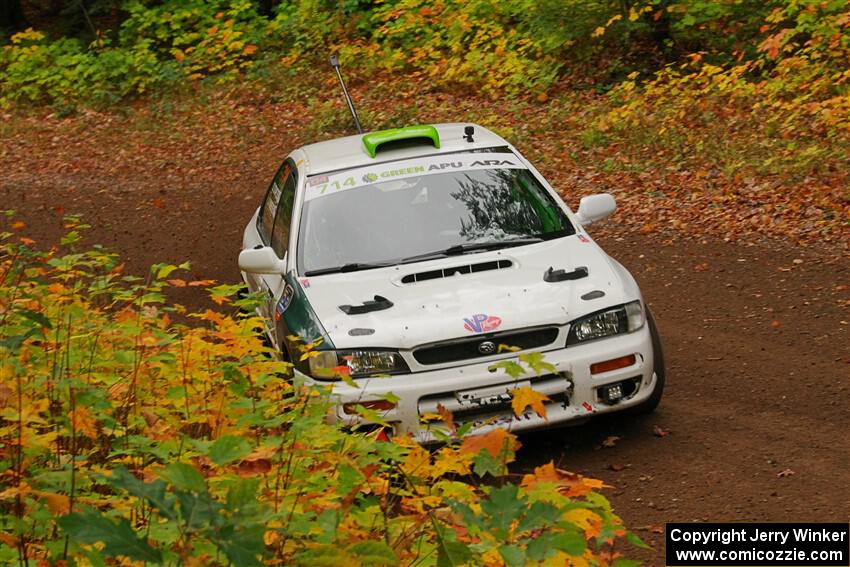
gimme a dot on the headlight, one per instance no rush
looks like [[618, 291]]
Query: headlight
[[614, 321], [356, 363]]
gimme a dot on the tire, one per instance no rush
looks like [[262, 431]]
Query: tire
[[649, 405]]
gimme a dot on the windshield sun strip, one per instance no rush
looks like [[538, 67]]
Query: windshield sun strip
[[494, 150]]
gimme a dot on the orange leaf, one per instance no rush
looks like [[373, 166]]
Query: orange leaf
[[571, 484], [57, 503], [494, 442], [17, 225], [84, 422], [197, 283], [177, 282], [219, 299], [447, 417], [526, 396]]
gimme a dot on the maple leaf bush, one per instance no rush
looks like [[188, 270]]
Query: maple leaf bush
[[129, 438]]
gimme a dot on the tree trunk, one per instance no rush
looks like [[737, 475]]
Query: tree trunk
[[661, 32], [12, 17]]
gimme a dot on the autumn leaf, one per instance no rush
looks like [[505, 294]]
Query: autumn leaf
[[83, 422], [59, 504], [659, 432], [447, 417], [610, 441], [524, 397], [587, 520], [494, 442], [570, 484]]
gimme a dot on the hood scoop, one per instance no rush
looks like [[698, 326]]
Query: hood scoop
[[455, 270], [378, 304], [551, 275]]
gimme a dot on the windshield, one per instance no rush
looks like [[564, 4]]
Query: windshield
[[389, 213]]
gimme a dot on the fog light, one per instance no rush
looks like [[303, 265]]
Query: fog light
[[612, 394]]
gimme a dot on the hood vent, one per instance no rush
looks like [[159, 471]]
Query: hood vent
[[454, 270]]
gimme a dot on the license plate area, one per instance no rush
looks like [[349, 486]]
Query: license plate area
[[491, 396]]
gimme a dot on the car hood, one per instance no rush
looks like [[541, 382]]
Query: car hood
[[462, 305]]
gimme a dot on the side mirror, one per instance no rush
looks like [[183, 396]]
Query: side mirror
[[261, 260], [594, 208]]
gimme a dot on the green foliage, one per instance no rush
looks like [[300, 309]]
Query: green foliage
[[129, 438], [205, 37], [37, 70], [514, 46]]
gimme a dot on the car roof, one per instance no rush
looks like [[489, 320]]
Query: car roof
[[347, 152]]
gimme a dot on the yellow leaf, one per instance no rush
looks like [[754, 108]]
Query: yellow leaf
[[417, 463], [598, 31], [449, 460], [526, 396], [588, 521]]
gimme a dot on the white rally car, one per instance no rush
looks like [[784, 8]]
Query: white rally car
[[413, 257]]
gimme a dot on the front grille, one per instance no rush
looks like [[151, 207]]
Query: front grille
[[493, 404], [466, 348]]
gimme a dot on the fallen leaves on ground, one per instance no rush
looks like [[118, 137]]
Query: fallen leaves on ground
[[610, 441]]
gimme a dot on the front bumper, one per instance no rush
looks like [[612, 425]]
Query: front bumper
[[477, 393]]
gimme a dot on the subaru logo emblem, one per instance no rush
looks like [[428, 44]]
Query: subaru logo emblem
[[487, 347]]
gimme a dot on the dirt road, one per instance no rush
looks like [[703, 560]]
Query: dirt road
[[755, 424]]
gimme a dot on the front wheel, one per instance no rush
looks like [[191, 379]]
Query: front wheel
[[649, 405]]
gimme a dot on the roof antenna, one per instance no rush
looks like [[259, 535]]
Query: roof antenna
[[335, 64], [468, 131]]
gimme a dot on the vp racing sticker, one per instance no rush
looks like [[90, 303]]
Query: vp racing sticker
[[284, 302], [371, 174], [481, 323]]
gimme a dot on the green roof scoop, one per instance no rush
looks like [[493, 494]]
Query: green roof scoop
[[422, 132]]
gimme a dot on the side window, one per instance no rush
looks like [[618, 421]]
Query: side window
[[283, 219], [265, 221]]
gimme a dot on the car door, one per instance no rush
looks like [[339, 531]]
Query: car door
[[273, 224]]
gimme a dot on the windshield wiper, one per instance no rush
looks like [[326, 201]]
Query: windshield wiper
[[459, 249], [353, 267]]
